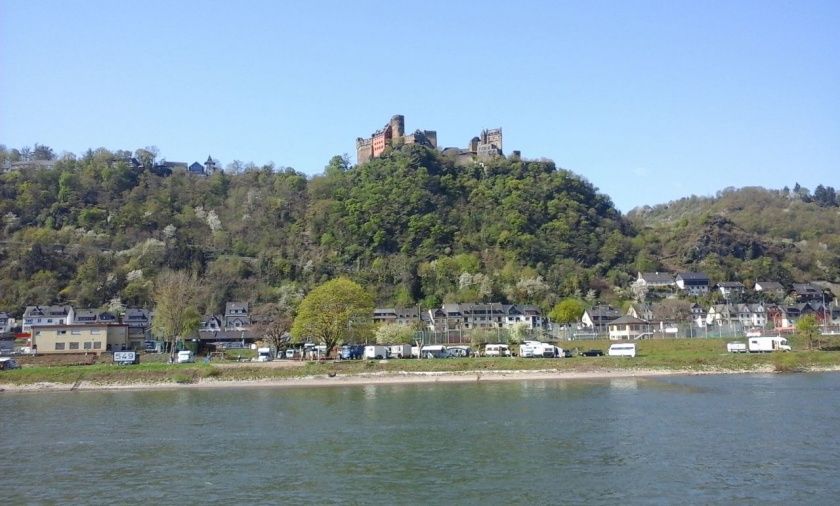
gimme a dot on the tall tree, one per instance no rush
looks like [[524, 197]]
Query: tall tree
[[327, 314], [273, 321], [567, 311], [807, 327], [175, 314]]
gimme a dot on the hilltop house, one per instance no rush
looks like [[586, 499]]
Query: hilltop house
[[694, 283], [805, 292], [730, 289], [770, 287]]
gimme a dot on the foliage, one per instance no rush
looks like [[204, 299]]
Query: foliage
[[175, 314], [567, 311], [326, 315], [391, 333], [412, 227], [808, 329]]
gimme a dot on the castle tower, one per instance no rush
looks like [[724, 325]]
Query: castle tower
[[397, 126]]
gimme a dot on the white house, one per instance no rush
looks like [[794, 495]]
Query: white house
[[628, 327], [46, 315]]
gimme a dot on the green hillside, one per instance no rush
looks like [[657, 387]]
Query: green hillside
[[412, 227]]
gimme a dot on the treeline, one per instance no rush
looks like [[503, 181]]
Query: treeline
[[411, 227]]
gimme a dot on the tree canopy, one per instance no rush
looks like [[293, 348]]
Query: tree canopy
[[328, 313]]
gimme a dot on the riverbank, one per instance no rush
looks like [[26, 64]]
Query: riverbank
[[389, 378], [682, 356]]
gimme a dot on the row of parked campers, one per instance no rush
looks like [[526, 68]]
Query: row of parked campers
[[382, 352]]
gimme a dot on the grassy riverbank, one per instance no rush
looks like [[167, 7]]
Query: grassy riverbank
[[697, 355]]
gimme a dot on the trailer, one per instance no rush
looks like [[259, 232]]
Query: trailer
[[399, 351], [264, 355], [736, 347], [767, 344], [375, 351]]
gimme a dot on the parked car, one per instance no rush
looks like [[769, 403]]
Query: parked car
[[7, 363], [434, 351], [461, 351], [593, 353]]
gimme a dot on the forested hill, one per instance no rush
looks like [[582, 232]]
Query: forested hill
[[746, 234], [411, 226]]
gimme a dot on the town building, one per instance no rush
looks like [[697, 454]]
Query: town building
[[628, 327], [46, 315], [79, 338], [139, 323], [693, 283], [237, 316], [598, 317]]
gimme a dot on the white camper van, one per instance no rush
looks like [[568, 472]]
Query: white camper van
[[762, 344], [185, 357], [622, 350], [496, 350], [375, 351], [536, 349], [400, 351], [263, 354]]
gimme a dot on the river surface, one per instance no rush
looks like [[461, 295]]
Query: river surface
[[729, 439]]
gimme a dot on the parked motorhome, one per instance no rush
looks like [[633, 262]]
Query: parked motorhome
[[536, 349], [375, 351], [496, 350], [764, 344], [400, 351], [622, 350], [185, 357], [736, 347], [263, 354]]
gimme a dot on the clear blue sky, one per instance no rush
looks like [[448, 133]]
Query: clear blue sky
[[650, 101]]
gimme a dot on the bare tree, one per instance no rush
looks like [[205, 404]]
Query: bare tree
[[671, 310], [273, 322]]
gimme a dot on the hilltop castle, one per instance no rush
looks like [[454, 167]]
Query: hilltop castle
[[487, 145]]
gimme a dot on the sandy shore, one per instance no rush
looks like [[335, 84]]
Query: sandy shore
[[401, 378]]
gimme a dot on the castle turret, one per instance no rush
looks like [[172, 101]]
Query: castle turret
[[397, 126]]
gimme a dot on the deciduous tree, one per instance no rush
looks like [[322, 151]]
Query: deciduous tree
[[175, 314], [807, 327], [329, 312]]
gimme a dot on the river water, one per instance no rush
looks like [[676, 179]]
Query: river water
[[744, 439]]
